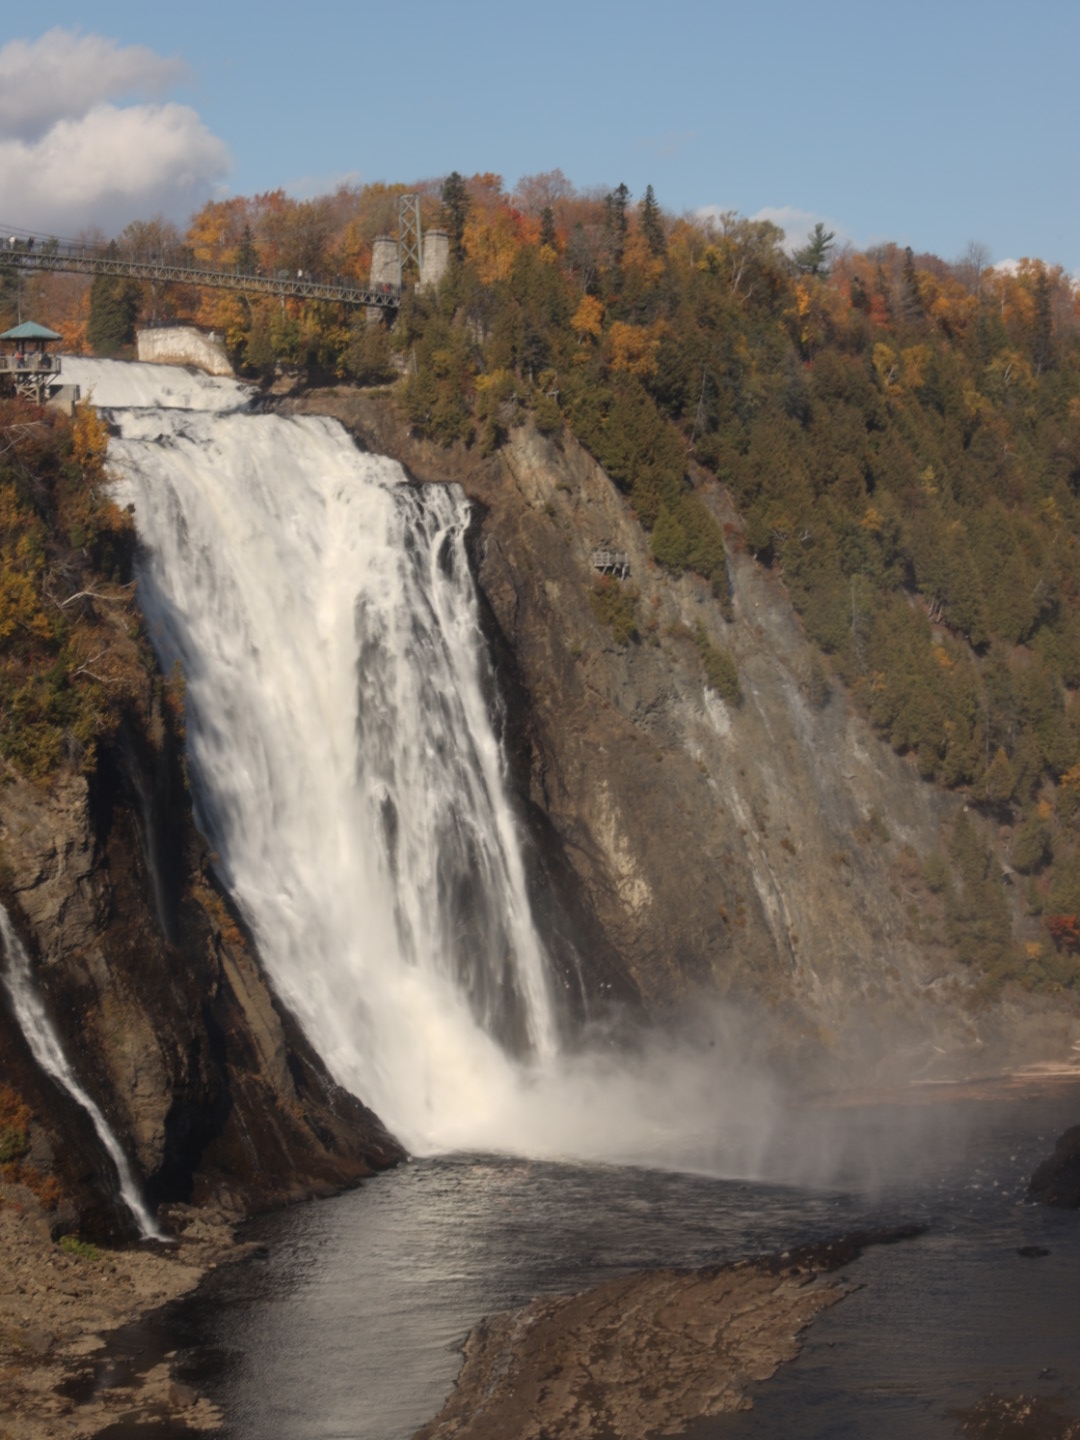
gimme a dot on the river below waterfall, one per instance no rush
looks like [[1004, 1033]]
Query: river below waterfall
[[349, 1327]]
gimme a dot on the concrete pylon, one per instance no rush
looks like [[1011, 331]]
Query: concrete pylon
[[436, 258], [385, 271], [385, 264]]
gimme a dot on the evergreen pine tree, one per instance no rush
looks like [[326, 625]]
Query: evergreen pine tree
[[860, 298], [814, 255], [669, 542], [9, 294], [114, 308], [1042, 339], [455, 211], [652, 224], [247, 257], [911, 305], [547, 227], [615, 222]]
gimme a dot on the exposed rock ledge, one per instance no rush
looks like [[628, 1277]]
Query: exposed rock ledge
[[642, 1355]]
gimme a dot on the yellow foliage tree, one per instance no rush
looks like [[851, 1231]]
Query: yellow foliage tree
[[914, 361], [492, 242], [887, 365], [639, 261], [90, 440], [588, 318], [632, 348]]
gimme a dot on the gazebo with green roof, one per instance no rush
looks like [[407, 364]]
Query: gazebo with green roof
[[29, 369], [31, 330]]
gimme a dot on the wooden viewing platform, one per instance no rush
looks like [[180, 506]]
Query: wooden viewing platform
[[30, 371], [611, 562]]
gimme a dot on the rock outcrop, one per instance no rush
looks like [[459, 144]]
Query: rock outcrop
[[655, 1353], [1056, 1182], [768, 849], [160, 1001]]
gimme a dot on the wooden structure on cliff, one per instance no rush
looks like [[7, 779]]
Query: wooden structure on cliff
[[611, 562], [29, 370]]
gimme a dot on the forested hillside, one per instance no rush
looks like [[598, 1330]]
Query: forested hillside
[[901, 436]]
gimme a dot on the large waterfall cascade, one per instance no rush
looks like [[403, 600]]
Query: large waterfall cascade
[[45, 1046], [347, 775]]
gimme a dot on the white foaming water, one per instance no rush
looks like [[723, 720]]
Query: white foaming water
[[159, 387], [46, 1049], [347, 776]]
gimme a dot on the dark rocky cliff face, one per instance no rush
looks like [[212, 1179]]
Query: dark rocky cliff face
[[160, 1001], [769, 850]]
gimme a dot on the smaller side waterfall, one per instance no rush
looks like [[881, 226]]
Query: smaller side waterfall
[[47, 1051]]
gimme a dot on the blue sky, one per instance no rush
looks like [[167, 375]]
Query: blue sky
[[932, 125]]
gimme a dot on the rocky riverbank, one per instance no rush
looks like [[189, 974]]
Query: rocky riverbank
[[59, 1302], [1057, 1180], [645, 1354]]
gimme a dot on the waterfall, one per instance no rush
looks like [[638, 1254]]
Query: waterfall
[[46, 1049], [347, 775], [349, 781]]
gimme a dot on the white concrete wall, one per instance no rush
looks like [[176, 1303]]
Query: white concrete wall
[[183, 345]]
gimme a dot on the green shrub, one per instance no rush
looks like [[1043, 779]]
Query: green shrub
[[81, 1249], [547, 415], [1030, 846], [14, 1143], [615, 605], [935, 873], [721, 672], [669, 543], [978, 911]]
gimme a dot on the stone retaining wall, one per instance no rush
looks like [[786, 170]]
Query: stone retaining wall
[[184, 345]]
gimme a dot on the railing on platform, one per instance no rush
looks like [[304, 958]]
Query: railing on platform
[[34, 364]]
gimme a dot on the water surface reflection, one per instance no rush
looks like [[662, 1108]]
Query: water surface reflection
[[350, 1325]]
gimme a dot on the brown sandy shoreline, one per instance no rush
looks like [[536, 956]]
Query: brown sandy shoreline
[[58, 1306]]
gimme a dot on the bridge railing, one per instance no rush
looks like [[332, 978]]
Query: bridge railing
[[26, 253]]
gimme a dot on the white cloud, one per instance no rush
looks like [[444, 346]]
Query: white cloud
[[71, 157], [63, 75], [325, 182], [795, 223]]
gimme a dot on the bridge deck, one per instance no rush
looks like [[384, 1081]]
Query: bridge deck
[[84, 260]]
